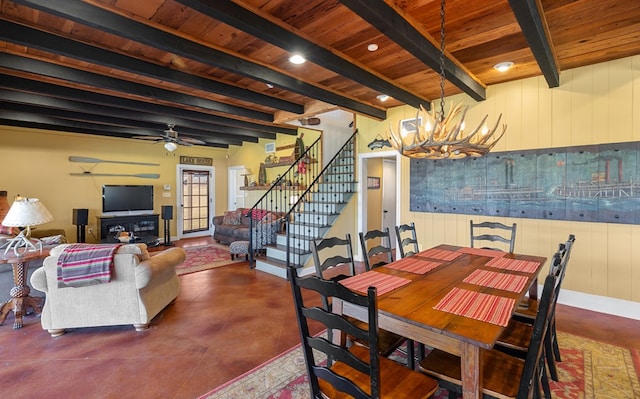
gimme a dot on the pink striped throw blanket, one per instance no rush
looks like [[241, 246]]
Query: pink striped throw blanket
[[85, 264], [517, 265], [483, 252], [476, 305], [440, 254], [501, 281], [414, 264], [383, 282]]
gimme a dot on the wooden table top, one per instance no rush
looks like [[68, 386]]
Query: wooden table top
[[414, 303]]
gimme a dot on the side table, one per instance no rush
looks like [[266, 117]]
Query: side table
[[20, 300]]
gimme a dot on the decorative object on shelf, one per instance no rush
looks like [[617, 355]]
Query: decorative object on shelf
[[299, 148], [270, 159], [246, 172], [262, 175], [378, 142], [96, 160], [139, 175], [25, 212], [439, 136]]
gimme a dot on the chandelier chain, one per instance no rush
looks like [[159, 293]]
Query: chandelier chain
[[442, 72]]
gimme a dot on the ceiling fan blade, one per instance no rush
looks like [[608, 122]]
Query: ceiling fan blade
[[140, 175], [154, 138], [96, 160], [190, 140]]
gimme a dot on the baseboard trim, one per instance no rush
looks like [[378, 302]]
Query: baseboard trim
[[602, 304]]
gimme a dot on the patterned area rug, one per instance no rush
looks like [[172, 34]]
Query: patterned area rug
[[206, 257], [589, 369]]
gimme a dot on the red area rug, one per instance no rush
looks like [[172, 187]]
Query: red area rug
[[589, 369], [206, 257]]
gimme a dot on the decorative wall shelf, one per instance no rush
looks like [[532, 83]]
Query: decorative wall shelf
[[268, 186], [286, 163]]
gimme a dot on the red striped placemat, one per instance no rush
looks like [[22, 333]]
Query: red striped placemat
[[482, 252], [513, 264], [414, 264], [501, 281], [476, 305], [440, 254], [383, 282]]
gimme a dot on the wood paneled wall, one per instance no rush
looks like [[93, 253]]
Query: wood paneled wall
[[593, 105]]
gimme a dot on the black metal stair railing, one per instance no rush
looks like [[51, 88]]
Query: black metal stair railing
[[279, 199], [320, 203]]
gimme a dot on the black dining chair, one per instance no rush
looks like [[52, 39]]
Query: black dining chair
[[490, 233], [514, 339], [503, 375], [407, 240], [359, 371], [376, 248], [335, 252]]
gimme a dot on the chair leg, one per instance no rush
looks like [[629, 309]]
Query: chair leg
[[548, 354], [545, 380], [554, 341]]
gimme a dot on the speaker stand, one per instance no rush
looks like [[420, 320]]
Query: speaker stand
[[80, 232], [167, 234]]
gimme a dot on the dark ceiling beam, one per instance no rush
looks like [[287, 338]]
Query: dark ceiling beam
[[107, 123], [395, 27], [169, 113], [32, 120], [29, 37], [531, 19], [118, 116], [124, 86], [245, 20], [95, 17]]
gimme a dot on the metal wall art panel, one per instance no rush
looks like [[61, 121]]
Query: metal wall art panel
[[598, 183]]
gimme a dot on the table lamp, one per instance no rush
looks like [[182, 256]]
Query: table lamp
[[25, 212]]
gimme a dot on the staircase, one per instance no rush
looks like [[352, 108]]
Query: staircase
[[312, 211]]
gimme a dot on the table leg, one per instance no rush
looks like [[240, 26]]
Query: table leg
[[471, 364], [20, 300]]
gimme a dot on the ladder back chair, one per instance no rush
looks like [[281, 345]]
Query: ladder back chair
[[513, 340], [491, 232], [335, 252], [503, 375], [376, 248], [407, 240], [358, 372]]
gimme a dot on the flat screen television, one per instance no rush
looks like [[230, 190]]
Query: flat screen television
[[127, 199]]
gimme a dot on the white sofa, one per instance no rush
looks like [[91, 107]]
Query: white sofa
[[140, 287]]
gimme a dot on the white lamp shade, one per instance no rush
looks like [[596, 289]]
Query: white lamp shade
[[27, 212]]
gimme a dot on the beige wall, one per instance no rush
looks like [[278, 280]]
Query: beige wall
[[593, 105], [35, 164]]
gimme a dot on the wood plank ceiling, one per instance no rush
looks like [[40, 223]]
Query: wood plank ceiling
[[219, 70]]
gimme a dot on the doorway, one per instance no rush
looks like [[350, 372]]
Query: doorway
[[390, 196], [195, 200], [236, 180]]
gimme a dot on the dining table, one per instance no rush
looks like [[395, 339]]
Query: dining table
[[457, 299]]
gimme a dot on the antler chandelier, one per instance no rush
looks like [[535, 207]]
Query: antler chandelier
[[437, 136]]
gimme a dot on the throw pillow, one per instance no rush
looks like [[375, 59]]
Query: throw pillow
[[12, 231], [54, 240], [231, 218]]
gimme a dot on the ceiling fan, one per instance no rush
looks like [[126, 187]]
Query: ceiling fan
[[171, 139]]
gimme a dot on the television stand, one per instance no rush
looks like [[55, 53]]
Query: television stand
[[144, 227]]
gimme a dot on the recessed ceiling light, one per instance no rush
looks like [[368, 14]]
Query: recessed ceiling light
[[503, 66], [372, 47], [269, 85], [382, 97], [297, 59]]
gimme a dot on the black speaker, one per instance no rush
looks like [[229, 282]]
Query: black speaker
[[167, 212], [80, 217]]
